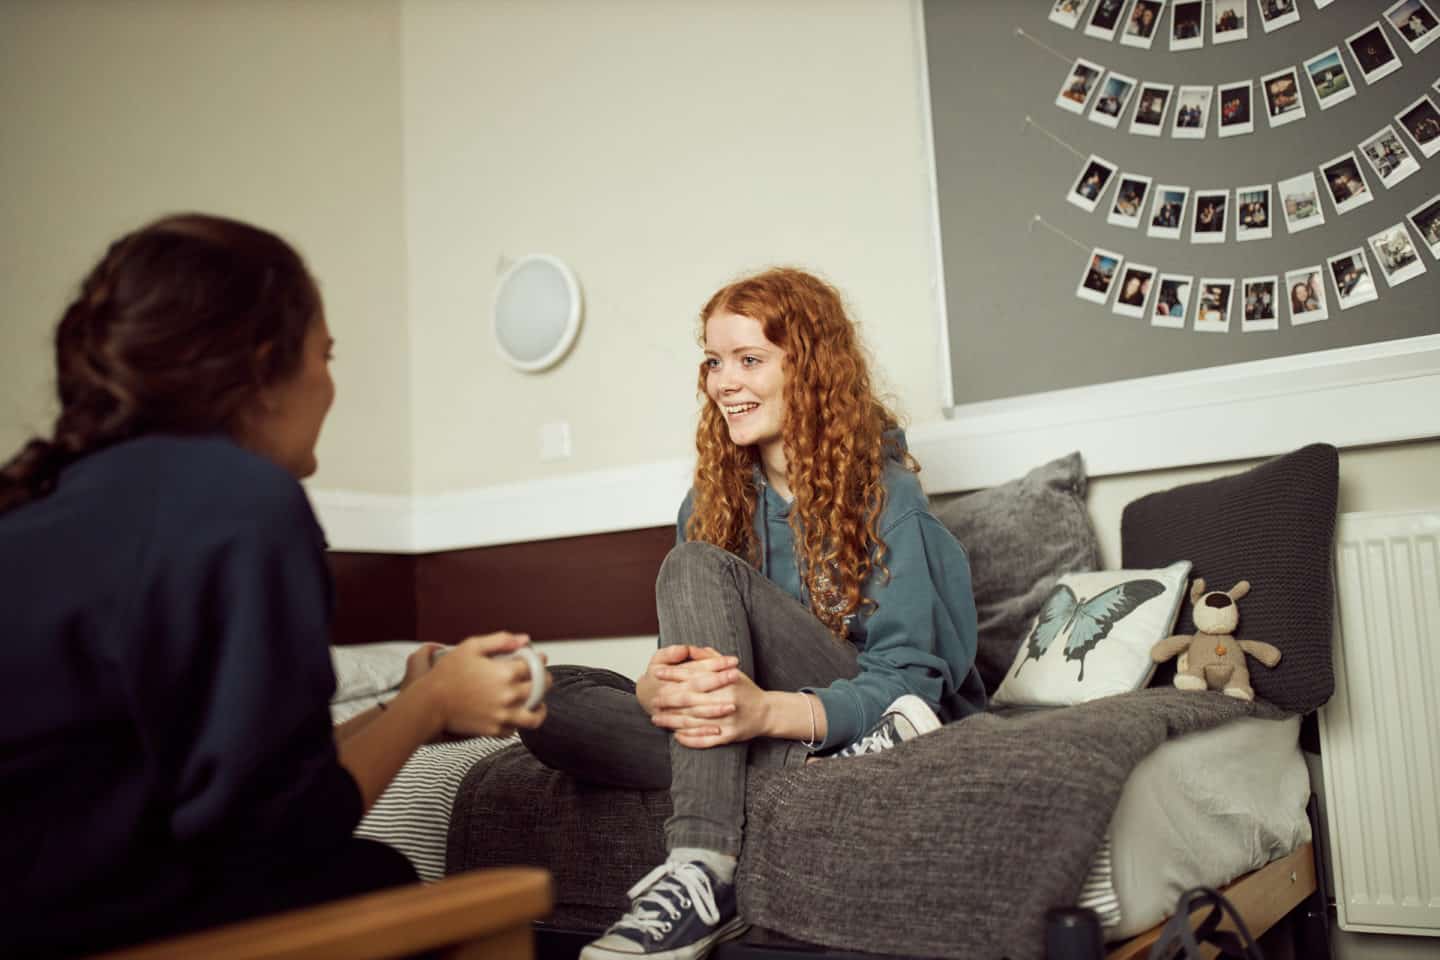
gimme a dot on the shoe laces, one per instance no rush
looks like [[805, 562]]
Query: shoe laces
[[660, 896], [882, 737]]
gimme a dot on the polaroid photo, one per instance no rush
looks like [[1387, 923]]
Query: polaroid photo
[[1373, 53], [1415, 22], [1150, 106], [1167, 212], [1130, 197], [1099, 276], [1140, 26], [1329, 78], [1079, 86], [1187, 25], [1301, 203], [1229, 22], [1105, 19], [1172, 301], [1305, 289], [1350, 273], [1283, 103], [1134, 290], [1422, 121], [1114, 95], [1426, 221], [1322, 4], [1346, 183], [1395, 252], [1208, 224], [1192, 113], [1090, 185], [1232, 104], [1252, 212], [1275, 14], [1261, 310], [1067, 13], [1389, 157], [1212, 308]]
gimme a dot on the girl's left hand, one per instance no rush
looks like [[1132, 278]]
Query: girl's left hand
[[734, 713]]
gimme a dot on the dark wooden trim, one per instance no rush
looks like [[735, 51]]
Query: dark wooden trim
[[374, 597], [602, 585]]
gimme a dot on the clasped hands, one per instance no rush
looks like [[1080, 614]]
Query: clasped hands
[[703, 697]]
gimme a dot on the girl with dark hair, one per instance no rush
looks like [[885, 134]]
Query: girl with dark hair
[[812, 607], [169, 763]]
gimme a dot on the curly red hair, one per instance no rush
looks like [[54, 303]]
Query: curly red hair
[[832, 436]]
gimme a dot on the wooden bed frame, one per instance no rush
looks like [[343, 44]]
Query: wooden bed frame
[[1262, 899]]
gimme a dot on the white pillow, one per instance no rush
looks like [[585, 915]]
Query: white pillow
[[365, 669], [1093, 635]]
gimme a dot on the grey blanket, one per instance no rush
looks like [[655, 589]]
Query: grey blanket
[[951, 845]]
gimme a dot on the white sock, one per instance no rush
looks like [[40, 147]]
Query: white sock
[[721, 864]]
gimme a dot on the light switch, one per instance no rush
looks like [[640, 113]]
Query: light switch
[[555, 440]]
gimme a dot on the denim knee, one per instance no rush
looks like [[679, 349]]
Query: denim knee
[[684, 565]]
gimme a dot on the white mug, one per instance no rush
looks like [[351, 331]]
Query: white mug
[[532, 662]]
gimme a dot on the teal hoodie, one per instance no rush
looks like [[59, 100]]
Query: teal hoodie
[[920, 636]]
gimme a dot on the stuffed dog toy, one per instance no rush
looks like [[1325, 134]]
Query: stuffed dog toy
[[1212, 658]]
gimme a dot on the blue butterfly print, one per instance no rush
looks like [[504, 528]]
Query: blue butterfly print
[[1092, 619]]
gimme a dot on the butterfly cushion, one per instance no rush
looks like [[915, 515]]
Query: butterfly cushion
[[1093, 636]]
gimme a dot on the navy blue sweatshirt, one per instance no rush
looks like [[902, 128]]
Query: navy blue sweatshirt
[[164, 630]]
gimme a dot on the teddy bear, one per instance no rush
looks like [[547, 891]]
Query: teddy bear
[[1212, 658]]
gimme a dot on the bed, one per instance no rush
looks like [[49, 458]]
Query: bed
[[1118, 802], [1204, 808]]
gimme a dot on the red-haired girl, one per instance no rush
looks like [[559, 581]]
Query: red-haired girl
[[813, 606]]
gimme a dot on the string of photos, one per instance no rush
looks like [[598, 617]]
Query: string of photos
[[1304, 297], [1298, 197], [1302, 294], [1228, 20], [1107, 94]]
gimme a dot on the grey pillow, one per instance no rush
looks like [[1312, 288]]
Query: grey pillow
[[1020, 537]]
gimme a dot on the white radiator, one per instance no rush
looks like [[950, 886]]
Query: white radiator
[[1380, 733]]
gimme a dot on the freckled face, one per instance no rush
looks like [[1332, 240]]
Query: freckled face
[[745, 379]]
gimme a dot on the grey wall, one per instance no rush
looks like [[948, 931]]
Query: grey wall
[[1016, 326]]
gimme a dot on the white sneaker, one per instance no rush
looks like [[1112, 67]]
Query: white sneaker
[[905, 719]]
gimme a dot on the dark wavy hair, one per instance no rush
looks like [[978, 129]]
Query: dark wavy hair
[[833, 436], [165, 336]]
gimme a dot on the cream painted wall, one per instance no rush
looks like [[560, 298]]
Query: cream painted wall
[[283, 113], [660, 148]]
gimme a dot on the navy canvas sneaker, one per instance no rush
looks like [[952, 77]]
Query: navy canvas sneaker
[[678, 911], [905, 719]]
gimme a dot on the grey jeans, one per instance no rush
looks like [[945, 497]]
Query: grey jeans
[[706, 597]]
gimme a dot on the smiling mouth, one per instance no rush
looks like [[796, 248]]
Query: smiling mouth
[[739, 409]]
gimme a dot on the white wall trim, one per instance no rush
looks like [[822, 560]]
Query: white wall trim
[[1357, 396], [1354, 396], [600, 501]]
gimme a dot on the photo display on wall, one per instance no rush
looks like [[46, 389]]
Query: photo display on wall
[[1105, 94], [1262, 172]]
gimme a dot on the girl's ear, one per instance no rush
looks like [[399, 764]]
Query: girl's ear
[[266, 396]]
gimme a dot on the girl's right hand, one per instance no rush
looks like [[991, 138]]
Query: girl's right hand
[[478, 692]]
